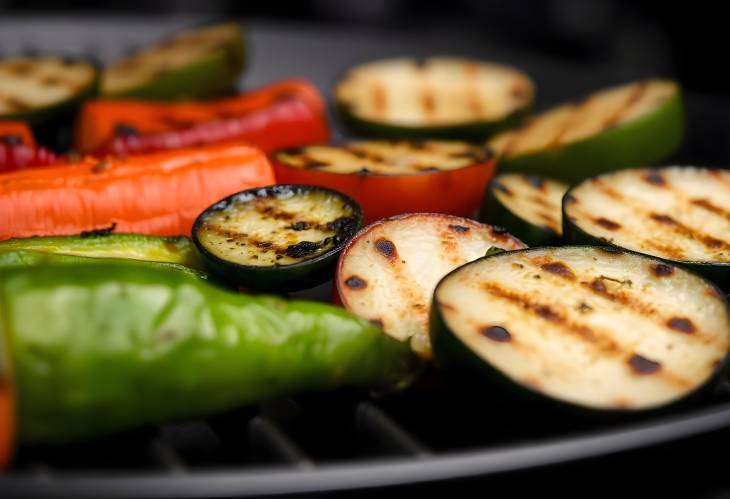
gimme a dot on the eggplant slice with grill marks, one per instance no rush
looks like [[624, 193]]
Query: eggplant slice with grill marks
[[637, 124], [277, 238], [41, 89], [681, 214], [528, 206], [387, 273], [583, 326], [444, 97]]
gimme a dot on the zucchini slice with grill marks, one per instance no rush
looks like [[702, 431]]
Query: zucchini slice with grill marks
[[582, 326], [277, 238], [387, 273], [681, 214], [40, 89], [528, 206], [637, 124], [393, 177], [443, 97], [195, 63]]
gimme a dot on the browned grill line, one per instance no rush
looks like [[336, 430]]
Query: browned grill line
[[628, 300], [380, 100], [428, 101], [713, 208], [676, 226], [633, 98], [596, 339]]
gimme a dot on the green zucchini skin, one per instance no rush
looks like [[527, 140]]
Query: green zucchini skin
[[467, 371], [717, 272], [643, 142], [284, 278], [494, 212], [211, 77], [103, 347], [177, 250], [475, 131]]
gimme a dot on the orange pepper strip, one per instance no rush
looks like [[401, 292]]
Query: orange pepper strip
[[18, 129], [100, 120], [160, 193]]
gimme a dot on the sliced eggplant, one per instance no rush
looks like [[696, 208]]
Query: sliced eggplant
[[277, 238], [443, 97], [385, 157], [39, 89], [528, 206], [583, 326], [195, 63], [681, 214], [636, 124], [387, 273]]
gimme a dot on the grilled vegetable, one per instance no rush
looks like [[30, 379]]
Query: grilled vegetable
[[198, 62], [681, 214], [287, 113], [40, 89], [387, 273], [278, 238], [528, 206], [178, 250], [582, 326], [389, 178], [158, 194], [637, 124], [98, 348], [16, 132], [439, 97]]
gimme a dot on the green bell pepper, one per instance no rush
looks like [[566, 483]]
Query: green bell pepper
[[101, 347]]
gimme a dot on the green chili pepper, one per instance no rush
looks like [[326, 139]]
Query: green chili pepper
[[101, 347], [101, 244]]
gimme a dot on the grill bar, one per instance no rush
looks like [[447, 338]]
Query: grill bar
[[267, 438], [389, 436]]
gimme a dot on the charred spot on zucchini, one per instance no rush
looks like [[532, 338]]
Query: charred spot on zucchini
[[388, 271], [527, 205], [39, 89], [617, 348], [630, 125], [683, 218], [282, 237], [384, 157], [436, 97]]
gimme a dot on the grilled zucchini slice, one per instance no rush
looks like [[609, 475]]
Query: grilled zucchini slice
[[277, 238], [387, 273], [681, 214], [439, 97], [393, 177], [637, 124], [528, 206], [195, 63], [41, 89], [582, 326]]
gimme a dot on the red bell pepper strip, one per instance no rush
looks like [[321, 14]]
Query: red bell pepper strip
[[16, 132], [289, 113]]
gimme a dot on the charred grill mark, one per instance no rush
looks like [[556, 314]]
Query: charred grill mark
[[446, 306], [361, 153], [428, 101], [608, 191], [570, 199], [684, 230], [268, 211], [607, 224], [387, 248], [597, 285], [305, 248], [496, 333], [535, 181], [681, 324], [661, 269], [655, 178], [664, 219], [641, 365], [624, 108], [558, 268], [709, 206], [300, 225], [105, 231], [502, 188], [377, 323], [459, 229], [295, 251], [380, 100], [520, 91]]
